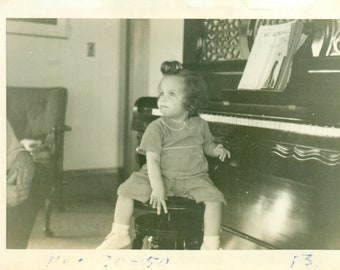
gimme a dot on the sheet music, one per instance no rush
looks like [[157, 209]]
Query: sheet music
[[270, 58]]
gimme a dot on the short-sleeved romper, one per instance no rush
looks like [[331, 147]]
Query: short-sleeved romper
[[184, 167]]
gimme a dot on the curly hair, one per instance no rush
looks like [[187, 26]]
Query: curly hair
[[195, 88]]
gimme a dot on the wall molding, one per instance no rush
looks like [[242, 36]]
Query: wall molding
[[116, 172]]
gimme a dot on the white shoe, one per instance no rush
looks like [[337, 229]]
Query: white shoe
[[211, 247], [115, 241], [211, 243]]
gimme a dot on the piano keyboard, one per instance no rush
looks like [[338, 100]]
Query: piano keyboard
[[313, 130]]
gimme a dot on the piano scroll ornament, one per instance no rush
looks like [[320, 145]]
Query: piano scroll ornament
[[335, 44], [303, 153]]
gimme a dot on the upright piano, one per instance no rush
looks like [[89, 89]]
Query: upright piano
[[282, 183]]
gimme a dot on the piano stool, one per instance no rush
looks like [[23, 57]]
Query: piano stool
[[180, 228]]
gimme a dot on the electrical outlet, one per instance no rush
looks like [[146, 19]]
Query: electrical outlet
[[91, 49]]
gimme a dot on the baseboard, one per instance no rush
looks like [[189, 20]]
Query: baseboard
[[116, 172], [91, 184]]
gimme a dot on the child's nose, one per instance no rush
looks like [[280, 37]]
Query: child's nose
[[162, 98]]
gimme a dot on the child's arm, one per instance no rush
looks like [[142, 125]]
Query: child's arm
[[210, 148], [157, 198]]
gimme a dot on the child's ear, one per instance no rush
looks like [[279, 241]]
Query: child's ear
[[193, 104], [193, 107]]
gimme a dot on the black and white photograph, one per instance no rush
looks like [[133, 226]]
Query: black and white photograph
[[106, 114]]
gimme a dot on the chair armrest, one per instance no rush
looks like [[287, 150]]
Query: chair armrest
[[62, 128]]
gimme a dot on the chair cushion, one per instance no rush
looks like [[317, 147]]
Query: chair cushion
[[34, 112], [174, 204]]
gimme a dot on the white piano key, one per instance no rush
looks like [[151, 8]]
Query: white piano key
[[275, 125], [156, 112]]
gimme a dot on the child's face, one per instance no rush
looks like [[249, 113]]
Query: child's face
[[172, 97]]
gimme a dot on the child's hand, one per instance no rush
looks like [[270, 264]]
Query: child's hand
[[31, 145], [157, 200], [221, 152]]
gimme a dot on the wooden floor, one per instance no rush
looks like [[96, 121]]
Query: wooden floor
[[87, 219], [81, 226]]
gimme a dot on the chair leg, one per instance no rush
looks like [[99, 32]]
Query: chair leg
[[55, 197], [179, 244], [157, 242], [193, 243], [48, 210], [138, 241], [59, 193]]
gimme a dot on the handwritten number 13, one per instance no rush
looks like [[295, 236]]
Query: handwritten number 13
[[307, 260]]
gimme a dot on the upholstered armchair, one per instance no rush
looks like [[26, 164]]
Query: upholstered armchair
[[37, 116]]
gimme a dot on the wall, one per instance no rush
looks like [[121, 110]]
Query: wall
[[150, 43], [96, 85], [166, 43], [93, 84]]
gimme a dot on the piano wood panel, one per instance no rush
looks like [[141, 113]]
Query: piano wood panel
[[281, 203], [282, 186]]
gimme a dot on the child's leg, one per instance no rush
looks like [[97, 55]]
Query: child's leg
[[123, 210], [119, 236], [212, 225], [212, 218]]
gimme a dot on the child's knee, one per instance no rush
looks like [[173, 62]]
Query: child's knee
[[213, 204]]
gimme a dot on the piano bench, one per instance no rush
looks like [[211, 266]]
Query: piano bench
[[180, 228]]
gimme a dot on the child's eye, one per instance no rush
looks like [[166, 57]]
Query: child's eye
[[172, 93]]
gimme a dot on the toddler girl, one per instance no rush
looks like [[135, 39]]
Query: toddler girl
[[175, 146]]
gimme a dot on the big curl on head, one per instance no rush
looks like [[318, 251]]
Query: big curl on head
[[195, 88]]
